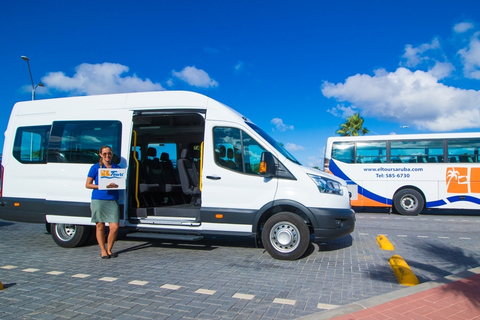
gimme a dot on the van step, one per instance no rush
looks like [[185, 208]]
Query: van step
[[164, 236]]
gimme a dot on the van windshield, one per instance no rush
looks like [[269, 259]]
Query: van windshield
[[272, 141]]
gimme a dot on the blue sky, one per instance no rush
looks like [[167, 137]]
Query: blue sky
[[297, 69]]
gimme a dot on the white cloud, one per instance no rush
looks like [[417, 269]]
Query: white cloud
[[98, 79], [471, 58], [462, 27], [341, 111], [195, 77], [412, 98], [293, 147], [415, 55], [280, 126]]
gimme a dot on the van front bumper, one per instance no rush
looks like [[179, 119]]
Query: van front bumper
[[332, 224]]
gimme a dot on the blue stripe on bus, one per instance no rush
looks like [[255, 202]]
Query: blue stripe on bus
[[464, 198], [436, 203], [368, 194]]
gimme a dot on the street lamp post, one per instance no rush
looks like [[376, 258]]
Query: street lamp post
[[31, 78]]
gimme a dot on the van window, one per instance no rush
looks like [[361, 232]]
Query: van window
[[236, 150], [79, 141], [30, 144]]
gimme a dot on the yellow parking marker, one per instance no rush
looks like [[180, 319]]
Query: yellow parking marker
[[1, 286], [384, 243], [403, 272]]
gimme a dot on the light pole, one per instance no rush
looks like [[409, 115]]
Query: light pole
[[31, 78]]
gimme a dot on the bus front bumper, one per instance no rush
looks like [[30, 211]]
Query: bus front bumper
[[332, 223]]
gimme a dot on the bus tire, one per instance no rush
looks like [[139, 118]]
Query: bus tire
[[408, 202], [70, 235], [285, 236]]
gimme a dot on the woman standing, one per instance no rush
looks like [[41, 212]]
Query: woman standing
[[104, 204]]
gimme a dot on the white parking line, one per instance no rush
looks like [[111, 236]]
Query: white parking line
[[55, 273], [285, 301], [138, 282], [108, 279], [326, 306], [205, 291], [9, 267], [243, 296], [30, 270], [170, 287], [81, 275]]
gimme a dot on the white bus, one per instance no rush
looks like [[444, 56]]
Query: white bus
[[408, 172], [182, 180]]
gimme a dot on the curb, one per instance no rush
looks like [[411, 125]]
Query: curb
[[375, 301]]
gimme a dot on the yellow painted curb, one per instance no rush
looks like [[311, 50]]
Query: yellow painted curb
[[384, 243], [403, 272]]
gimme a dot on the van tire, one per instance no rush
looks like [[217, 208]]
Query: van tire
[[408, 202], [285, 236], [70, 235]]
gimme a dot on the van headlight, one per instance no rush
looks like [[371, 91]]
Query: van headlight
[[326, 185]]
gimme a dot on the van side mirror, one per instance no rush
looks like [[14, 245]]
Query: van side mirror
[[267, 165]]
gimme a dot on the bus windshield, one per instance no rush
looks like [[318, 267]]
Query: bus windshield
[[272, 141]]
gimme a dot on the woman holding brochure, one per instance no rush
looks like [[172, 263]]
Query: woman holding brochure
[[104, 204]]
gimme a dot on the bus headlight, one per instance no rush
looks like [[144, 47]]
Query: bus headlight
[[326, 185]]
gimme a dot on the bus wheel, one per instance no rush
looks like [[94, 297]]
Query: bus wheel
[[285, 236], [408, 202], [69, 235]]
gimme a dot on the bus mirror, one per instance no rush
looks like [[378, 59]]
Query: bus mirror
[[267, 165]]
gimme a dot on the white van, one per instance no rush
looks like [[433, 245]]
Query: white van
[[195, 167]]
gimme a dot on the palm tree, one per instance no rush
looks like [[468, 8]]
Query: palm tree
[[353, 126]]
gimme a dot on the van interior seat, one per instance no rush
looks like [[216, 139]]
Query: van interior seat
[[188, 179]]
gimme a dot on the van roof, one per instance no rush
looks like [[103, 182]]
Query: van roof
[[126, 101]]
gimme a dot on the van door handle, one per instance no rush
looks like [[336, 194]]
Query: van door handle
[[214, 177]]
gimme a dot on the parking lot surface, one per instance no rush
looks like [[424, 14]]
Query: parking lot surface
[[223, 278]]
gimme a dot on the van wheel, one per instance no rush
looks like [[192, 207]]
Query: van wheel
[[285, 236], [408, 202], [69, 235]]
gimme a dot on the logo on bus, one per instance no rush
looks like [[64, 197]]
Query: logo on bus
[[460, 180]]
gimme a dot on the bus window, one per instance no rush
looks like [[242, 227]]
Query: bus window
[[371, 152], [416, 151], [344, 151], [464, 151]]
